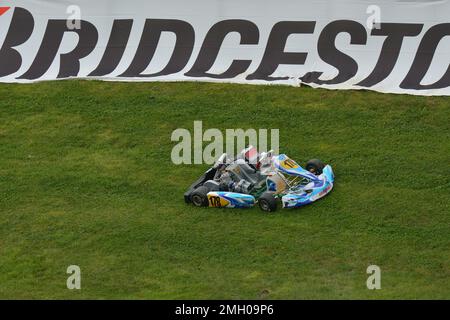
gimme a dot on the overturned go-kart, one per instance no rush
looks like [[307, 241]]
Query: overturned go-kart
[[262, 178]]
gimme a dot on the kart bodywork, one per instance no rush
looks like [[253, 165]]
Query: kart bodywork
[[302, 187], [264, 178]]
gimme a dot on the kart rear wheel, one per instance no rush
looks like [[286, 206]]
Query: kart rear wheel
[[267, 202], [315, 166], [199, 197]]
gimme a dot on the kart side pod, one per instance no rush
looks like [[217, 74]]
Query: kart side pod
[[219, 199]]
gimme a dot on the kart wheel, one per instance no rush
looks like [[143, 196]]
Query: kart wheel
[[267, 202], [315, 166], [199, 197]]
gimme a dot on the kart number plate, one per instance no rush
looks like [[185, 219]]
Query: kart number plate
[[289, 164]]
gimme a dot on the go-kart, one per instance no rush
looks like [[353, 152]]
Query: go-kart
[[263, 178]]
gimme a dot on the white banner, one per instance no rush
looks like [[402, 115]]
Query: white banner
[[395, 46]]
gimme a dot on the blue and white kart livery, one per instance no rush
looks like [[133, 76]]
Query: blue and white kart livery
[[222, 199], [262, 178], [300, 194]]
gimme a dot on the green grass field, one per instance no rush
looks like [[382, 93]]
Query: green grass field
[[86, 178]]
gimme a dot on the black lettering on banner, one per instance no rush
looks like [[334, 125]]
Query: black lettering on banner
[[275, 54], [148, 44], [423, 59], [20, 30], [328, 52], [22, 26], [69, 62], [249, 33], [394, 32], [117, 44]]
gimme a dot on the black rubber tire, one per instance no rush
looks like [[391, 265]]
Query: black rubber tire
[[199, 197], [267, 202], [315, 166]]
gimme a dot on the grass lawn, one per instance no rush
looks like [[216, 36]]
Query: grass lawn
[[86, 179]]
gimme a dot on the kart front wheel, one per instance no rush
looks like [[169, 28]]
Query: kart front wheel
[[199, 197], [315, 166], [267, 202]]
